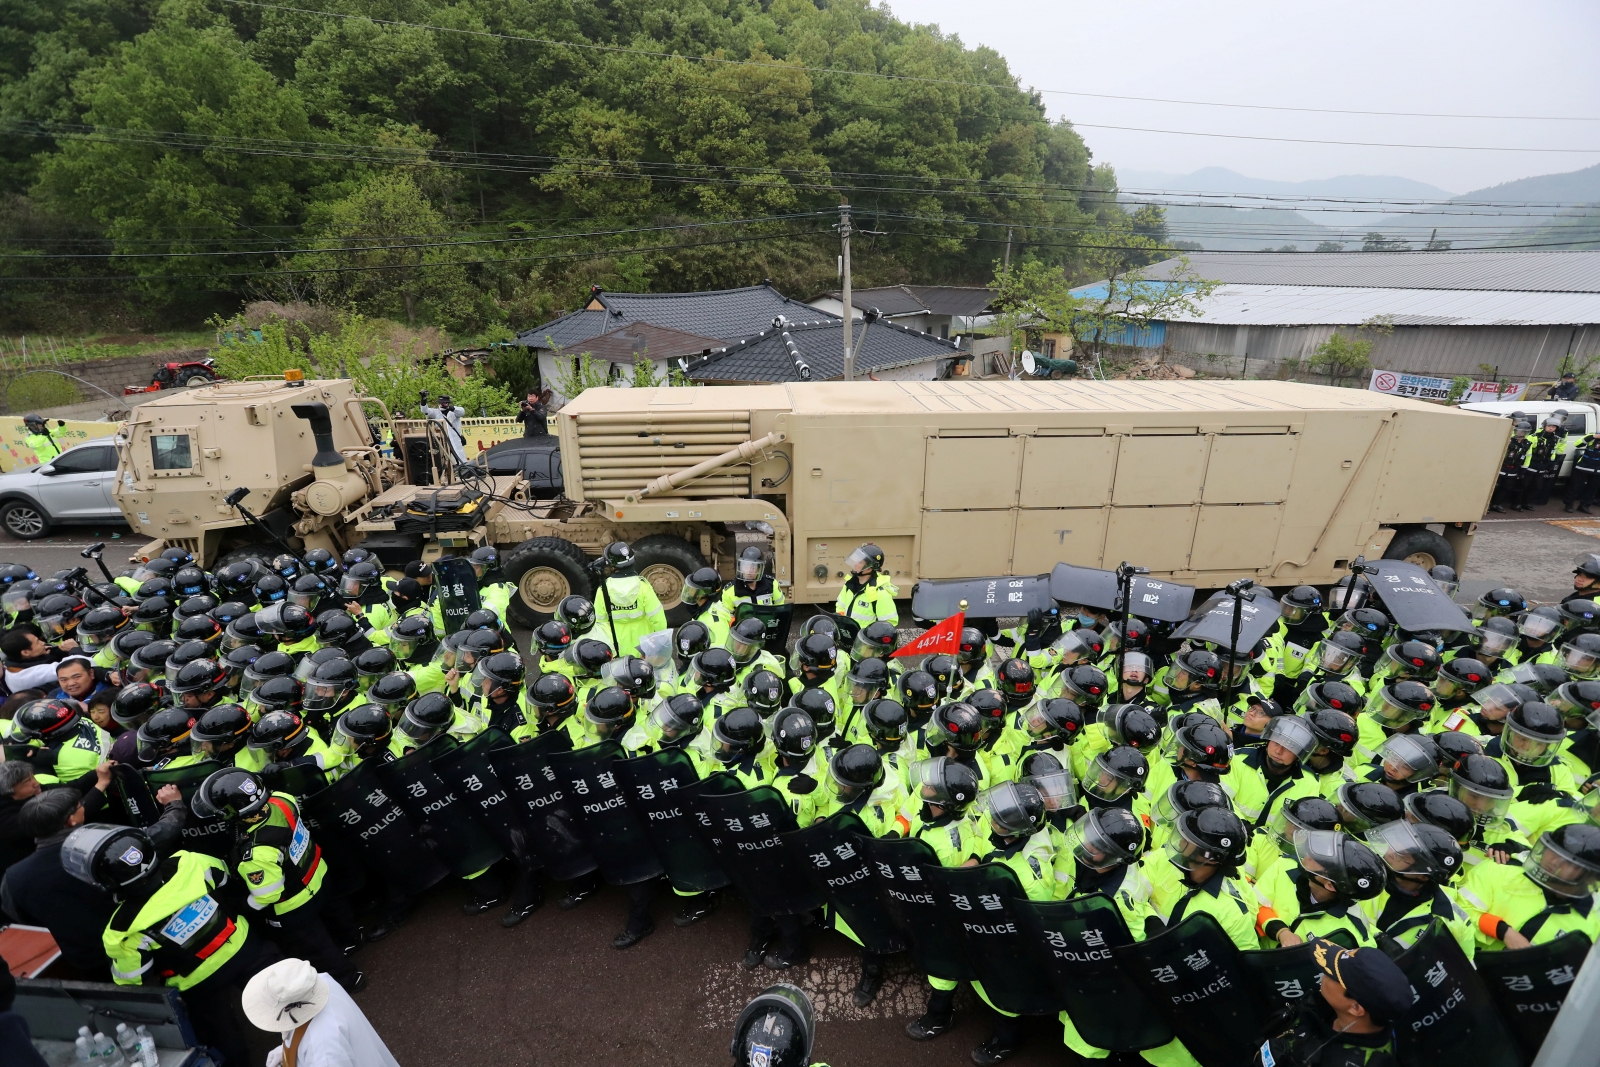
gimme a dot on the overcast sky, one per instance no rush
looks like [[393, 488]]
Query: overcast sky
[[1534, 57]]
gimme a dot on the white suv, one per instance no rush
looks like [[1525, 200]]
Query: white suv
[[74, 488]]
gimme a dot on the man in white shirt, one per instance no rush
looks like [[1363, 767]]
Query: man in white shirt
[[320, 1024]]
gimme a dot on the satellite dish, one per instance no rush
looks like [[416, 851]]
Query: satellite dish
[[1027, 362]]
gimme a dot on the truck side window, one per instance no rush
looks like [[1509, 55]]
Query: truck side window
[[1574, 425], [170, 451]]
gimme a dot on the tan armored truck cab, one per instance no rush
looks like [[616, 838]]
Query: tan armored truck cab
[[1203, 482]]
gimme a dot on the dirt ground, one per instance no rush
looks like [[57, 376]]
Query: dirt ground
[[552, 991]]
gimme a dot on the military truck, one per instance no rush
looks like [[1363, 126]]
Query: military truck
[[1202, 482]]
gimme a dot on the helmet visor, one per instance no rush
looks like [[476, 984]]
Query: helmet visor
[[1528, 748], [1091, 847], [94, 642], [1538, 627], [672, 724], [404, 646], [56, 627], [1578, 662], [1407, 759], [1397, 844], [1321, 853], [1187, 853], [1057, 788], [1290, 732], [1558, 870], [656, 650], [1391, 713], [1136, 669], [1103, 782], [1488, 806], [1072, 648], [351, 586], [324, 696], [16, 600], [749, 570], [857, 561], [1497, 701], [1335, 659], [307, 600], [929, 774], [447, 657], [350, 740], [1493, 643], [1003, 807], [1348, 597], [745, 649]]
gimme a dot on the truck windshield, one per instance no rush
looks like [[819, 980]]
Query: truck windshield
[[171, 451]]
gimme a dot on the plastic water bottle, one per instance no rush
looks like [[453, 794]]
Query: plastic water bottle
[[106, 1054], [85, 1057], [128, 1043], [148, 1056]]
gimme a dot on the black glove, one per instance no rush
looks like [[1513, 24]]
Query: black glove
[[272, 770]]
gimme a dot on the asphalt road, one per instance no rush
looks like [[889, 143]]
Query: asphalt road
[[451, 989]]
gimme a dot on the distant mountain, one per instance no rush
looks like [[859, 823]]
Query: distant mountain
[[1304, 219]]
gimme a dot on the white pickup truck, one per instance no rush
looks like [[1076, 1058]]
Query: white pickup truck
[[1582, 417]]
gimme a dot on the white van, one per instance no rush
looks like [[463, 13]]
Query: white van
[[1582, 418]]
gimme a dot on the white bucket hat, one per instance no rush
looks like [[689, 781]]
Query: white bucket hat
[[284, 996]]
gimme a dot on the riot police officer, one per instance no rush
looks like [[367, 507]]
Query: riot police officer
[[751, 583], [629, 605], [868, 594]]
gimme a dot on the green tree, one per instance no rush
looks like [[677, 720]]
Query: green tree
[[379, 251], [1330, 246], [1339, 357]]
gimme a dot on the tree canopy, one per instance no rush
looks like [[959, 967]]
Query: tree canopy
[[469, 162]]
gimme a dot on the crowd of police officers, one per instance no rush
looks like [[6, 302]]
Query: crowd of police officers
[[1342, 779]]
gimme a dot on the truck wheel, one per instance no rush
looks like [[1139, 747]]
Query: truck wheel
[[665, 561], [25, 520], [1422, 547], [544, 570]]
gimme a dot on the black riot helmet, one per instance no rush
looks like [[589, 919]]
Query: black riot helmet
[[745, 639], [1138, 635], [958, 725], [264, 666], [359, 578], [1417, 850], [201, 628], [364, 729], [1502, 601], [679, 719], [1350, 867], [1335, 731], [1115, 773], [942, 669], [919, 690], [816, 655], [1460, 678], [555, 697], [166, 733], [752, 564], [150, 659], [49, 719], [203, 679], [154, 588], [374, 663], [427, 717], [203, 604], [886, 721], [865, 563], [1014, 809], [484, 559], [1206, 744], [1193, 670], [190, 581], [220, 732], [974, 648], [739, 735], [1104, 838], [688, 641], [877, 638], [502, 671], [127, 642], [113, 858], [394, 691], [1053, 720], [818, 704], [237, 579], [1130, 724], [1348, 592], [270, 589], [634, 675], [991, 709], [713, 670], [287, 622], [483, 619], [1015, 681], [869, 678], [286, 566], [1183, 795], [1438, 808], [1533, 735], [154, 615], [336, 629], [948, 783], [1084, 685], [1412, 660], [700, 586], [776, 1029], [279, 694], [853, 771], [134, 704], [330, 686], [1364, 805], [610, 711], [1566, 861], [279, 731], [1300, 603], [578, 613], [794, 734], [552, 637], [619, 558], [100, 625], [1211, 837], [589, 656], [764, 691]]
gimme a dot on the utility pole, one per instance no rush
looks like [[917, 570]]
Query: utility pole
[[1008, 247], [849, 312]]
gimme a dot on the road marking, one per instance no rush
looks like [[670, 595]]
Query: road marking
[[1589, 527], [728, 987]]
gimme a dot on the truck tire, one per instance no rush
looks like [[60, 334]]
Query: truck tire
[[665, 561], [1421, 546], [544, 570]]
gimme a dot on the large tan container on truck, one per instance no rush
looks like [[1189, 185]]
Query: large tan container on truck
[[1203, 482]]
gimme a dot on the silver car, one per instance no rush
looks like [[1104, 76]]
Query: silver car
[[74, 488]]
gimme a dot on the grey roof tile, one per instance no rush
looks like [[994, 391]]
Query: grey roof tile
[[819, 343], [1508, 270]]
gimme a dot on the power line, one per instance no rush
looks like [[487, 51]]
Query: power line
[[655, 54]]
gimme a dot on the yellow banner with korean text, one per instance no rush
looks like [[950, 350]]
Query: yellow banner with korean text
[[15, 453]]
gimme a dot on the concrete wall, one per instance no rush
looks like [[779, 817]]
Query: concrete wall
[[1522, 353]]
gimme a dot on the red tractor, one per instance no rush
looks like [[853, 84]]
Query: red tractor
[[192, 372]]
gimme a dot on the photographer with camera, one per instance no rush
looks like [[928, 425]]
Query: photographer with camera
[[534, 413], [448, 413]]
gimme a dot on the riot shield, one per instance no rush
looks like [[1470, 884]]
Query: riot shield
[[899, 866], [1529, 985], [297, 779], [614, 832], [777, 618], [661, 789], [937, 599], [541, 804], [137, 800], [1212, 622], [436, 812], [981, 903], [468, 773], [1452, 1020], [358, 810], [1193, 976], [1150, 598], [1076, 938], [831, 850], [1414, 600], [1284, 977], [458, 592], [212, 836], [744, 828], [848, 628]]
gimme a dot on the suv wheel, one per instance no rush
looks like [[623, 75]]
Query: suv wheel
[[24, 519]]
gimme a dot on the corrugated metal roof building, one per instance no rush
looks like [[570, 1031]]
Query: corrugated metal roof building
[[1453, 312]]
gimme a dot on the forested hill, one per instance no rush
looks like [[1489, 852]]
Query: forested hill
[[463, 162]]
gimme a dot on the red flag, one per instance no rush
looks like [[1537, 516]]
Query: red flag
[[945, 637]]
